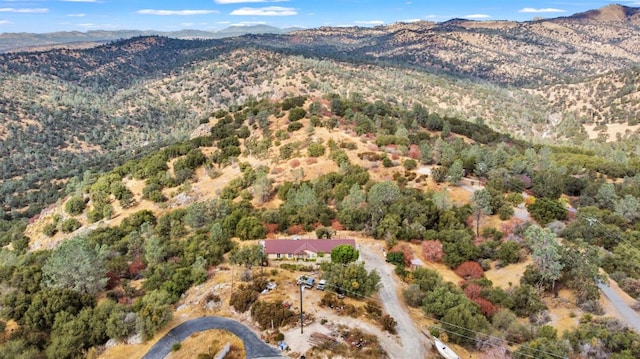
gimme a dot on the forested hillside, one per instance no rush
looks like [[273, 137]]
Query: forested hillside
[[147, 231]]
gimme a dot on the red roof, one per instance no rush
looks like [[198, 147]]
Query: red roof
[[286, 246]]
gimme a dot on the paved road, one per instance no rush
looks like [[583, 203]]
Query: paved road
[[413, 342], [630, 316], [254, 347]]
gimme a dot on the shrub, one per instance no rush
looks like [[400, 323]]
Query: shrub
[[49, 229], [505, 212], [470, 270], [407, 253], [176, 346], [413, 296], [395, 258], [242, 299], [410, 164], [75, 205], [373, 308], [509, 252], [388, 323], [296, 114], [316, 150], [294, 126], [70, 225], [432, 250], [271, 313]]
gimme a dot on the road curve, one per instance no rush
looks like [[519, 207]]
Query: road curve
[[254, 347], [629, 315], [413, 342]]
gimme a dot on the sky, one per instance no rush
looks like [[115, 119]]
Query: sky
[[40, 16]]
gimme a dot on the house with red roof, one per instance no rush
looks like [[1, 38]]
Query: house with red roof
[[303, 249]]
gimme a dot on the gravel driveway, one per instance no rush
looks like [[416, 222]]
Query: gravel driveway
[[629, 316], [413, 342]]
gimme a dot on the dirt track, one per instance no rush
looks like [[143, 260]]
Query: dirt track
[[413, 343]]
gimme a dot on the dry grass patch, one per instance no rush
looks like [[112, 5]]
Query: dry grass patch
[[209, 342]]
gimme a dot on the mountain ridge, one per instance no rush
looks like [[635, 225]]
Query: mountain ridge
[[22, 41]]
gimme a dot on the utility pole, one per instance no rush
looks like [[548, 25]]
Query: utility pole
[[301, 319]]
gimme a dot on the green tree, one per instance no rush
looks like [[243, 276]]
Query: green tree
[[249, 228], [545, 210], [344, 254], [45, 304], [481, 203], [246, 255], [76, 265], [628, 207], [606, 196], [153, 312], [262, 188], [509, 252], [546, 254], [351, 279], [75, 205], [462, 320], [526, 301], [456, 171]]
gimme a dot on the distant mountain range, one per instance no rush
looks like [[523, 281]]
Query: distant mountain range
[[12, 42], [108, 95]]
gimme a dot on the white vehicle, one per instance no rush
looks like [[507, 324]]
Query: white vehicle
[[321, 284]]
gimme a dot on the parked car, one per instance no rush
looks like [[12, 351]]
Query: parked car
[[309, 283], [321, 284]]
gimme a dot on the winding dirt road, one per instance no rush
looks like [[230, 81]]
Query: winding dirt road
[[413, 343]]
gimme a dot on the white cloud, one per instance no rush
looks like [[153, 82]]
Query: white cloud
[[249, 23], [370, 22], [223, 22], [265, 11], [79, 0], [244, 1], [25, 10], [176, 12], [5, 22], [76, 15], [477, 16], [410, 20], [545, 10]]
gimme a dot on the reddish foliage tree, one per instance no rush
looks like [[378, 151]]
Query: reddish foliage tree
[[311, 160], [414, 152], [406, 251], [336, 225], [510, 228], [472, 291], [487, 308], [470, 270], [433, 250], [372, 147], [112, 280], [297, 229], [271, 227], [294, 163], [136, 267], [395, 156]]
